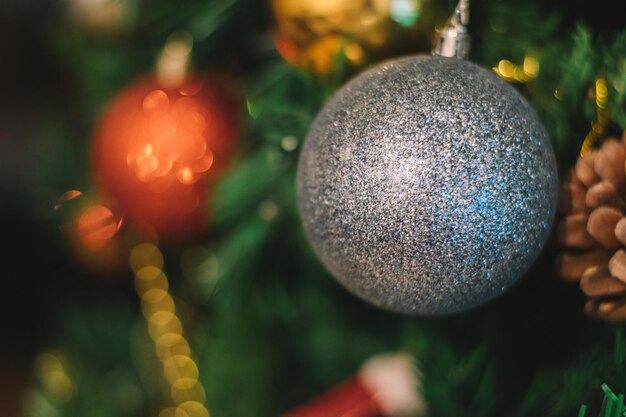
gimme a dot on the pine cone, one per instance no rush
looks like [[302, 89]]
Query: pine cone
[[593, 229]]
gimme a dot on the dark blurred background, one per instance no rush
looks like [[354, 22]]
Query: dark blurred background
[[32, 86]]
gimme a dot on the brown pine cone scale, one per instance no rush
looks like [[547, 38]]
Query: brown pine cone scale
[[603, 194], [601, 226], [593, 229], [596, 282]]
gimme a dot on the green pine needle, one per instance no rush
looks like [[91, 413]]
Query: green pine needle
[[619, 407]]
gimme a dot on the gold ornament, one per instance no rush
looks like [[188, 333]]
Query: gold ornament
[[104, 17], [312, 34]]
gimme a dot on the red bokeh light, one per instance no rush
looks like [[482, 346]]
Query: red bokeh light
[[156, 152]]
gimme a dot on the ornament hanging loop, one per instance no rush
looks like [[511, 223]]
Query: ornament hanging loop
[[453, 40]]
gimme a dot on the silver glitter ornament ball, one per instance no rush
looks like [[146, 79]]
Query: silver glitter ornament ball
[[427, 185]]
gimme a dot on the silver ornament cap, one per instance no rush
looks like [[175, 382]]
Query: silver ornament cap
[[427, 185], [453, 40]]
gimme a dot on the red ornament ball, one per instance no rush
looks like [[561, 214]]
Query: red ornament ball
[[157, 151]]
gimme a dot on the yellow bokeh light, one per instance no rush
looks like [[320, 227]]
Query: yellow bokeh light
[[191, 409], [166, 330], [53, 376], [154, 295], [165, 352], [163, 322], [168, 412], [531, 66], [289, 143], [354, 53], [598, 125], [149, 278], [145, 254], [506, 68], [520, 73], [166, 304], [268, 210], [162, 319], [179, 367], [601, 93], [169, 340], [58, 384], [185, 384], [187, 389], [47, 362]]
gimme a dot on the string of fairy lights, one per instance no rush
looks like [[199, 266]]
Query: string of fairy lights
[[180, 371], [598, 125], [53, 376], [529, 70], [166, 331], [524, 73]]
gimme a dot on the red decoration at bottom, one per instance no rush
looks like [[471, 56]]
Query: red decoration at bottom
[[387, 385], [348, 399]]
